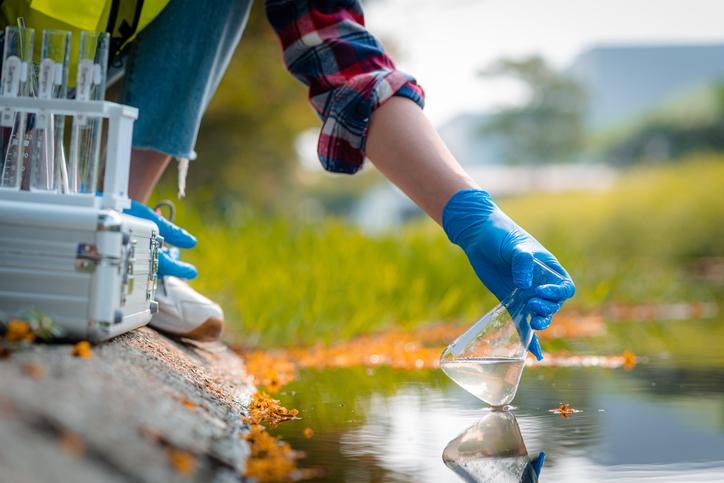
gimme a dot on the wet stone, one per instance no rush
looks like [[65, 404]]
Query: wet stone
[[126, 413]]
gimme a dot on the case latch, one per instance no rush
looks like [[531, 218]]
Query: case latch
[[128, 276], [156, 242]]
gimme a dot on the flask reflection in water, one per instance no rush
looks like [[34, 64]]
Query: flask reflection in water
[[492, 450]]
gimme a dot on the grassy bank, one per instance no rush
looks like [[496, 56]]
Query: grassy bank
[[283, 282]]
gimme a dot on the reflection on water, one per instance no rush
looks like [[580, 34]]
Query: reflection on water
[[663, 421], [493, 451]]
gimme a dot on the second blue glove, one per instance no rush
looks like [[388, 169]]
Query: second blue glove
[[168, 259]]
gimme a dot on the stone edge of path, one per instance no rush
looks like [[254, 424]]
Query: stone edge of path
[[123, 414]]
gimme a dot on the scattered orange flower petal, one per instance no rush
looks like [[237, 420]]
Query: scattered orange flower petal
[[411, 350], [19, 330], [567, 359], [188, 403], [82, 349], [182, 461], [271, 459], [264, 409], [72, 443], [629, 360], [273, 384], [308, 432], [564, 410], [269, 371], [34, 370]]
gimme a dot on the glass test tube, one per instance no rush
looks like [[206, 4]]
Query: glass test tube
[[85, 141], [17, 64], [48, 166]]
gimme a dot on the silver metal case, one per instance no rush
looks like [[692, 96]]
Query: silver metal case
[[92, 270]]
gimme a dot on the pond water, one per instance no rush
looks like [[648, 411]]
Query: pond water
[[663, 420]]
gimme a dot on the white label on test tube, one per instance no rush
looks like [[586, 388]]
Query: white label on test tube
[[58, 77], [97, 75], [46, 78], [10, 87], [85, 80], [11, 76], [84, 84]]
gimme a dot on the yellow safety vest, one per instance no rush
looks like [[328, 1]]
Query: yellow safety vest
[[123, 19]]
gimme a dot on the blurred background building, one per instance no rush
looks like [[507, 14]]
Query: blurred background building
[[638, 101]]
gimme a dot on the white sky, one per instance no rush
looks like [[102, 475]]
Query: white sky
[[445, 42]]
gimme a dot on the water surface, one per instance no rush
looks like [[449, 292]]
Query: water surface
[[663, 420]]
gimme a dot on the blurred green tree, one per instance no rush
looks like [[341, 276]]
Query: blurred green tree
[[246, 153], [667, 136], [549, 126]]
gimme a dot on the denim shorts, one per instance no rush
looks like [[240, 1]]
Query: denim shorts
[[174, 67]]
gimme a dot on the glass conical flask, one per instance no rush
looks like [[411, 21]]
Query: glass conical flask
[[488, 359], [492, 450]]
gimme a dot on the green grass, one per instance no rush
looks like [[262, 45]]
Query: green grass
[[283, 282]]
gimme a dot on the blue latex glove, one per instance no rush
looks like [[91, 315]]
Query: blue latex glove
[[502, 254], [168, 260], [169, 264]]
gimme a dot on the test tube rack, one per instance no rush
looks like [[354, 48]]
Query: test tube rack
[[118, 149]]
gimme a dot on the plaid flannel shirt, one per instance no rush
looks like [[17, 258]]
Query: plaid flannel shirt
[[327, 47]]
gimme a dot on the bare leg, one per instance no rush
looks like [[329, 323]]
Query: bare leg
[[147, 166]]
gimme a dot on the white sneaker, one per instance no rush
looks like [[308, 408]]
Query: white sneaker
[[184, 312]]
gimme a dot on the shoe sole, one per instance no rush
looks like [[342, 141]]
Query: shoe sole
[[209, 331]]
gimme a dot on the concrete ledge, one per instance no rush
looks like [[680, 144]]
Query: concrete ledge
[[124, 414]]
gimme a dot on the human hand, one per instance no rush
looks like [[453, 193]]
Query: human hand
[[503, 256], [168, 260], [170, 264]]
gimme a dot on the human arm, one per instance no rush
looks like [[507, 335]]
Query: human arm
[[368, 107], [405, 147]]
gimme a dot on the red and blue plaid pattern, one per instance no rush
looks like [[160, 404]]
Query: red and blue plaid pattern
[[327, 47]]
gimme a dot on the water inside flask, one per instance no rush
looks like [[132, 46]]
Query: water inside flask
[[488, 359]]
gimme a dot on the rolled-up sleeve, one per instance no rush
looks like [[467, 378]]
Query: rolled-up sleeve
[[346, 69]]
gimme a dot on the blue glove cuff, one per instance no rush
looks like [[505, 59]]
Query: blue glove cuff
[[464, 212]]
